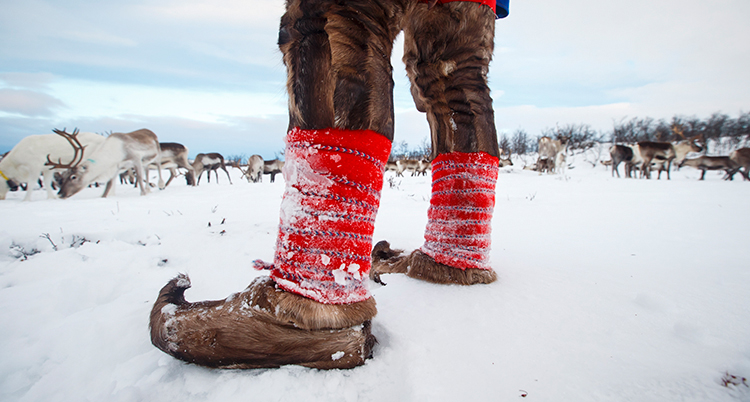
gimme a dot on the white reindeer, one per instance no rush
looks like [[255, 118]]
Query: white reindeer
[[552, 154], [26, 161], [119, 151], [254, 172]]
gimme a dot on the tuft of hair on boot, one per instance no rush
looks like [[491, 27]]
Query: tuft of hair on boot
[[387, 261]]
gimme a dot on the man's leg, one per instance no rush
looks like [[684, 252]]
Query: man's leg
[[314, 309], [448, 69]]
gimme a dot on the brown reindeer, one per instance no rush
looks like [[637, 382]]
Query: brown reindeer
[[741, 158], [210, 162], [314, 309], [273, 167], [620, 154], [704, 163], [173, 156], [663, 154]]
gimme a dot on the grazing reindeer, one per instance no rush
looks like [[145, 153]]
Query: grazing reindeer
[[254, 172], [173, 156], [273, 168], [741, 158], [314, 308], [505, 155], [119, 151], [391, 167], [619, 154], [210, 162], [411, 165], [26, 161], [424, 166], [704, 163], [664, 153], [552, 154]]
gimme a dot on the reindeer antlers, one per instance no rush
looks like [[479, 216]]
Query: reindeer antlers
[[73, 140]]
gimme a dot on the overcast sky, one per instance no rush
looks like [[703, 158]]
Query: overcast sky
[[208, 74]]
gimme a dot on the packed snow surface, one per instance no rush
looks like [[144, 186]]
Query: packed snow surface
[[609, 290]]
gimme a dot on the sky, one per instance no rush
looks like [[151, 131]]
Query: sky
[[209, 74]]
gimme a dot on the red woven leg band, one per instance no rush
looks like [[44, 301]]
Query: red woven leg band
[[333, 183], [463, 198]]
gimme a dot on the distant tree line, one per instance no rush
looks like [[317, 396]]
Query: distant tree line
[[402, 150], [727, 132]]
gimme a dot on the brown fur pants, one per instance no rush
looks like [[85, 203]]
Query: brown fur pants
[[337, 56]]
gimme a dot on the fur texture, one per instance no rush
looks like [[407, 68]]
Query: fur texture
[[419, 265], [261, 326]]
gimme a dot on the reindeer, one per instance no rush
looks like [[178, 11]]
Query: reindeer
[[741, 159], [704, 163], [404, 165], [505, 158], [255, 167], [619, 154], [273, 168], [173, 156], [552, 154], [26, 161], [424, 166], [663, 154], [210, 162], [119, 151], [391, 166]]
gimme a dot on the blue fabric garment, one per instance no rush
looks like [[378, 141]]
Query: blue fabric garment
[[503, 8]]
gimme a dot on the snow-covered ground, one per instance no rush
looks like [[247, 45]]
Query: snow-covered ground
[[609, 290]]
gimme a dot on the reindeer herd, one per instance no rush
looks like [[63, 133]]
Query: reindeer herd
[[647, 155], [74, 161]]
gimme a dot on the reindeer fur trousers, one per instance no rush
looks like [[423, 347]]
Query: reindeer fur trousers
[[315, 309]]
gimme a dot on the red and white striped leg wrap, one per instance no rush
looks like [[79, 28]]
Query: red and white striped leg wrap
[[460, 215], [333, 183]]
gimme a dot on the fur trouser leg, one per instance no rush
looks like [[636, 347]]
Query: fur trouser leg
[[448, 72], [458, 233]]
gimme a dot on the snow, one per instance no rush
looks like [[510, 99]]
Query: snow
[[609, 290]]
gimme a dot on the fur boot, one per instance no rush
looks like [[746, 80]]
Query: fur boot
[[262, 326], [315, 308]]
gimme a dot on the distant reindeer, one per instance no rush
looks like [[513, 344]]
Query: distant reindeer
[[663, 154], [741, 159], [505, 158], [552, 154], [620, 154], [210, 162], [173, 156], [254, 172], [118, 151], [273, 168], [704, 163], [26, 161]]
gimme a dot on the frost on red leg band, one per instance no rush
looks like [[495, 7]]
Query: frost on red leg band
[[459, 219], [333, 183]]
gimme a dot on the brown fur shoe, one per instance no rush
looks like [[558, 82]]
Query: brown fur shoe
[[261, 327], [419, 265]]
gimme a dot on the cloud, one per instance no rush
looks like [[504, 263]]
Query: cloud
[[28, 103]]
